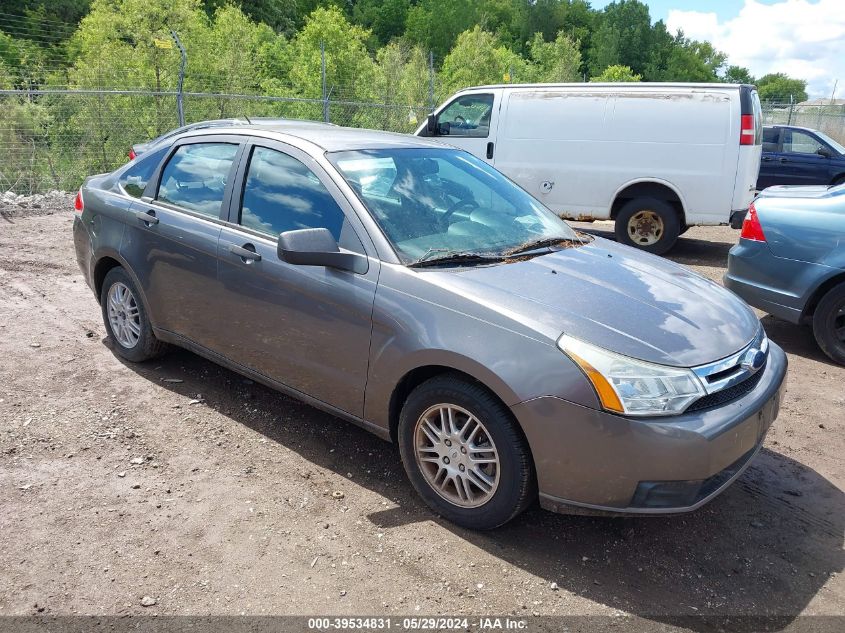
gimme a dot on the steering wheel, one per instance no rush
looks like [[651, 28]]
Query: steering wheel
[[467, 203]]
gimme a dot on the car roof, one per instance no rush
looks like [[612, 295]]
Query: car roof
[[327, 137]]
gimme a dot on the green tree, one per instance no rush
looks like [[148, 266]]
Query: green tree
[[436, 24], [558, 61], [350, 71], [238, 44], [479, 58], [737, 75], [386, 18], [779, 88], [617, 73], [691, 60], [400, 80], [624, 36]]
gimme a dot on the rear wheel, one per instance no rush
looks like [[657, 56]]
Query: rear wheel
[[126, 319], [464, 454], [649, 224], [838, 181], [829, 323]]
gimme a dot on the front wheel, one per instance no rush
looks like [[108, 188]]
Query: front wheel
[[463, 453], [829, 323], [649, 224]]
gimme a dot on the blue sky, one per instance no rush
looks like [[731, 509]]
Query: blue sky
[[659, 9], [802, 38]]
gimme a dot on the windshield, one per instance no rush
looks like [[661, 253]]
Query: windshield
[[837, 146], [435, 202]]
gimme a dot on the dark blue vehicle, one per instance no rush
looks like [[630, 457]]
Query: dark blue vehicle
[[790, 260], [800, 156]]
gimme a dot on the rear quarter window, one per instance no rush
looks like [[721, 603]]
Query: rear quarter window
[[134, 180]]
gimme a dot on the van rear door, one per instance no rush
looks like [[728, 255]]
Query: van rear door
[[750, 139], [469, 122]]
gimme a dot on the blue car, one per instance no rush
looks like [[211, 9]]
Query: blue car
[[790, 260], [800, 156]]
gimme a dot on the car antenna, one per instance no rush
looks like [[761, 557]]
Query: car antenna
[[247, 119]]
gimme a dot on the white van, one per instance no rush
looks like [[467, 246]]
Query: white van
[[655, 157]]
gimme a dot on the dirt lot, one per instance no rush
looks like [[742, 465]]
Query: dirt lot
[[182, 482]]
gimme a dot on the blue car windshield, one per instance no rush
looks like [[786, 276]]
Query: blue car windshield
[[433, 202]]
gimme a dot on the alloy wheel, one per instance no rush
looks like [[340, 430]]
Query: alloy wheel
[[124, 315], [456, 455]]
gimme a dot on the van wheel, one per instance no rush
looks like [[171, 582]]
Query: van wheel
[[463, 453], [649, 224], [829, 323], [126, 319]]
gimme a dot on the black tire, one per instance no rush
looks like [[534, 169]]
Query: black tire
[[827, 319], [666, 213], [147, 345], [516, 488], [838, 181]]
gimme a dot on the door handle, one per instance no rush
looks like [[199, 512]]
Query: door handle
[[148, 217], [766, 158], [784, 160], [489, 150], [246, 252]]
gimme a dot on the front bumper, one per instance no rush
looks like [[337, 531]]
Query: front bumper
[[590, 460]]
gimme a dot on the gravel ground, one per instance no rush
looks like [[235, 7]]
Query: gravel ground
[[178, 487]]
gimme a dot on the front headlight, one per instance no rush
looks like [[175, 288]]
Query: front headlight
[[630, 386]]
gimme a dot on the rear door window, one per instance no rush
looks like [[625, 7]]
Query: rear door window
[[195, 177], [134, 180], [282, 194]]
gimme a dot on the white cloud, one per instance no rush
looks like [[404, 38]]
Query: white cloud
[[802, 38]]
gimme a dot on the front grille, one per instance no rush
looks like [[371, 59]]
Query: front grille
[[728, 395]]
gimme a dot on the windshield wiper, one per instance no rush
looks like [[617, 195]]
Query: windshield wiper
[[455, 258], [541, 243]]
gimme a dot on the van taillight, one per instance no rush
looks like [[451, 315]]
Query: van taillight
[[746, 129], [78, 204], [132, 154], [751, 227]]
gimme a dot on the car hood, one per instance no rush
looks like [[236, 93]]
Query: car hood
[[621, 299]]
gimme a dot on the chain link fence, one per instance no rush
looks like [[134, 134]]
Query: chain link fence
[[53, 139], [828, 118]]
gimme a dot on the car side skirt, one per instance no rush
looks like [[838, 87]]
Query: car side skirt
[[181, 341]]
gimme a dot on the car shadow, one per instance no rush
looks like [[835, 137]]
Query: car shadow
[[795, 339], [764, 548]]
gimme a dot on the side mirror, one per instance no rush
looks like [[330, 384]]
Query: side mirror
[[317, 247], [431, 125], [823, 151]]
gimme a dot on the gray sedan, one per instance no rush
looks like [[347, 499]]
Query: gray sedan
[[790, 260], [412, 289]]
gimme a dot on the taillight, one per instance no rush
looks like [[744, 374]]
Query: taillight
[[751, 227], [132, 154], [746, 129], [78, 204]]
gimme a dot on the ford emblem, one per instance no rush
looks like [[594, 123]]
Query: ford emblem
[[753, 359]]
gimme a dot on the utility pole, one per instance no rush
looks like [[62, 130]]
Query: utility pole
[[180, 106], [323, 81]]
